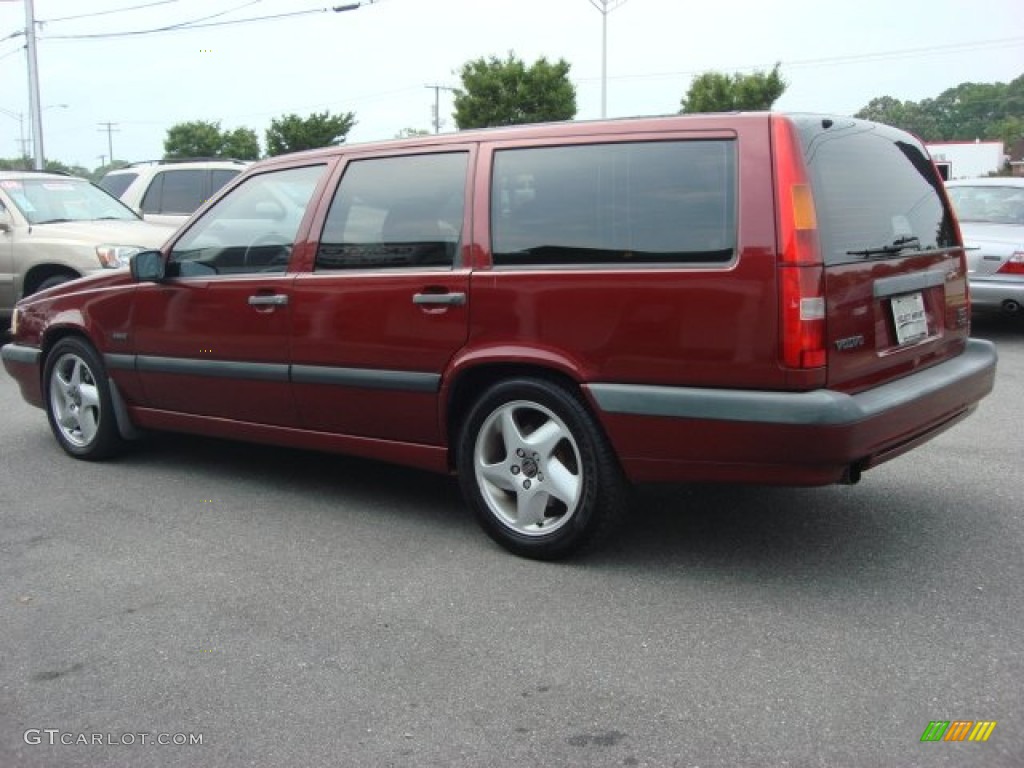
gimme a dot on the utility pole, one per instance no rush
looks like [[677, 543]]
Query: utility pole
[[437, 104], [102, 159], [605, 7], [111, 130], [35, 110]]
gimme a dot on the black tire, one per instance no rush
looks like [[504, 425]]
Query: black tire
[[78, 402], [537, 470], [53, 280]]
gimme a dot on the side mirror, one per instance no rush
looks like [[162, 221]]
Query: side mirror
[[147, 267]]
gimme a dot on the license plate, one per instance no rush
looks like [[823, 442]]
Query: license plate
[[911, 321]]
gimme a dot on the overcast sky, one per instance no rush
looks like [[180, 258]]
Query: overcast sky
[[376, 61]]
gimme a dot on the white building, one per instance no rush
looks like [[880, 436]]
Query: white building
[[967, 159]]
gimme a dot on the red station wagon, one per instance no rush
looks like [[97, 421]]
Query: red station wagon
[[550, 311]]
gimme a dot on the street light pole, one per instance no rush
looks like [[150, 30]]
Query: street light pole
[[33, 87], [605, 7]]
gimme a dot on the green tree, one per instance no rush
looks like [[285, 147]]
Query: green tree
[[241, 144], [407, 133], [717, 92], [507, 92], [964, 112], [291, 133], [197, 138]]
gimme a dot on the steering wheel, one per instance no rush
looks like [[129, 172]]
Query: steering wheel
[[278, 257]]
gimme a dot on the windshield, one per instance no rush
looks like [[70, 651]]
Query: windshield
[[48, 201], [988, 204]]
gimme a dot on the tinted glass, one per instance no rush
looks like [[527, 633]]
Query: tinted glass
[[219, 178], [45, 201], [251, 229], [874, 186], [118, 183], [396, 212], [175, 192], [634, 203]]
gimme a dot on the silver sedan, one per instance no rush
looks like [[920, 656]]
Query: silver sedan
[[991, 214]]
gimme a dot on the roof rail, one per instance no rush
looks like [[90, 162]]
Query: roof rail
[[173, 160]]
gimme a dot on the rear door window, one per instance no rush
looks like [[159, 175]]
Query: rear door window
[[624, 203], [874, 187], [175, 192]]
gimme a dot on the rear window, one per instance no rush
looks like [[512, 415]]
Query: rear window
[[118, 183], [624, 203], [874, 186]]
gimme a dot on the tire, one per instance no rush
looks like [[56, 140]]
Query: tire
[[53, 280], [537, 470], [78, 403]]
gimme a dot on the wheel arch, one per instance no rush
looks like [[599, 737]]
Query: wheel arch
[[463, 387], [38, 273]]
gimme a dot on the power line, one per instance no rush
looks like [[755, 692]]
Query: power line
[[107, 13], [187, 25]]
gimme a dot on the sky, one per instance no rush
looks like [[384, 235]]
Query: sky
[[378, 59]]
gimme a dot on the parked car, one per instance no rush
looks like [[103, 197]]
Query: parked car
[[169, 191], [54, 228], [991, 214], [549, 311]]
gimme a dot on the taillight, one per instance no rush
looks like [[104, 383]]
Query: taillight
[[1013, 265], [801, 270]]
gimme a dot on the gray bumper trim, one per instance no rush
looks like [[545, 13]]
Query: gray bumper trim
[[820, 407], [16, 353]]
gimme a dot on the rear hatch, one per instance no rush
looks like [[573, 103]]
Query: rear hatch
[[895, 283]]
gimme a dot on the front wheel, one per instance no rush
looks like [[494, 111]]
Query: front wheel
[[78, 402], [537, 470]]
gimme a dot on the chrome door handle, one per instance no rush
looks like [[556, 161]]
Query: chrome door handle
[[271, 300], [444, 299]]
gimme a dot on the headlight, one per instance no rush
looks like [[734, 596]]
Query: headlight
[[114, 256]]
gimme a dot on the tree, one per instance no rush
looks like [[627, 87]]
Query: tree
[[291, 133], [507, 92], [197, 138], [965, 112], [241, 144], [717, 92], [200, 138]]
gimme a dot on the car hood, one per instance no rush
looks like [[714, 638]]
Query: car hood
[[133, 232], [981, 232]]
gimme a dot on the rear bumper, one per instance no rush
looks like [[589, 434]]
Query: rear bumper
[[993, 293], [680, 434], [22, 363]]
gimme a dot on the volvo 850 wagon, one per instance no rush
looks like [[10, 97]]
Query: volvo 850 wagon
[[552, 312]]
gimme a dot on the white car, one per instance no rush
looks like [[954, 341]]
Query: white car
[[991, 214], [168, 192], [55, 228]]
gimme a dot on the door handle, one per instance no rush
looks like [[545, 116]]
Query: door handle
[[443, 299], [269, 300]]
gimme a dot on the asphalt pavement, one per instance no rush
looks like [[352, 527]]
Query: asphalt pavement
[[287, 608]]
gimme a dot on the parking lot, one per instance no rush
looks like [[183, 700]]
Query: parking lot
[[299, 609]]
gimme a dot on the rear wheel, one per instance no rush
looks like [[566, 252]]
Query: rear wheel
[[78, 402], [537, 470]]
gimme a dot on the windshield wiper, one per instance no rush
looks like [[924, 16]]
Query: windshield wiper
[[54, 221], [898, 245]]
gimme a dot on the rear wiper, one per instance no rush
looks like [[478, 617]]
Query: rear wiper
[[898, 245]]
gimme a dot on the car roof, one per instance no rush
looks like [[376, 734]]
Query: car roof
[[988, 181], [185, 164], [17, 175]]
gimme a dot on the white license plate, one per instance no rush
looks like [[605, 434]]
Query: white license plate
[[911, 321]]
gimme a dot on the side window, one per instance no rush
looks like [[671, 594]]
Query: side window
[[396, 212], [174, 192], [627, 203], [252, 229], [218, 178]]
